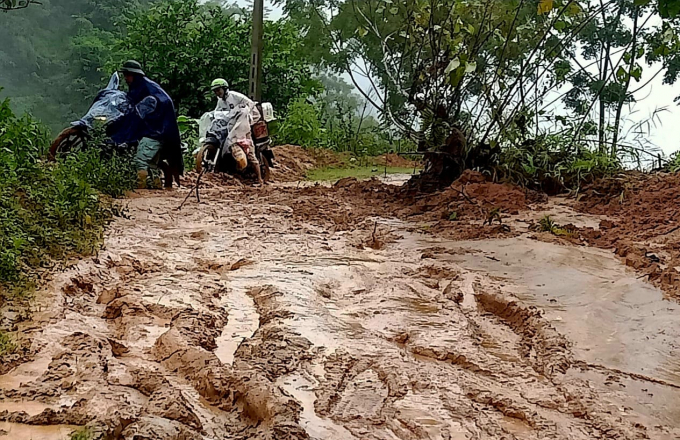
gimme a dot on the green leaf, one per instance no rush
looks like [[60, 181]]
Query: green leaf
[[545, 6], [453, 65], [362, 32], [636, 73], [669, 8], [621, 75]]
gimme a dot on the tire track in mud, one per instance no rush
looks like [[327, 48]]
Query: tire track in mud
[[351, 342], [131, 347]]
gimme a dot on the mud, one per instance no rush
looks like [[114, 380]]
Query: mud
[[642, 224], [344, 313]]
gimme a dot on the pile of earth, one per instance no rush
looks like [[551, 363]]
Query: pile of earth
[[643, 224], [470, 208]]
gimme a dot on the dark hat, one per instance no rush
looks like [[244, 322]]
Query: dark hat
[[132, 66]]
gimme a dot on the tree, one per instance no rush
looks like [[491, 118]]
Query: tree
[[484, 61], [185, 45], [52, 57], [497, 69], [8, 5]]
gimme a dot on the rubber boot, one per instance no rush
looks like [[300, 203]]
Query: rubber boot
[[142, 175], [167, 175]]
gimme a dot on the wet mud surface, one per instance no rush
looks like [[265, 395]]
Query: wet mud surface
[[642, 224], [328, 313]]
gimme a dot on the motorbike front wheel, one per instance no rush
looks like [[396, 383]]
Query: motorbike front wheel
[[69, 139], [205, 155]]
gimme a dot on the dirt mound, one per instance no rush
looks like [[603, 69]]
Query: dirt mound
[[644, 228], [471, 208], [293, 162]]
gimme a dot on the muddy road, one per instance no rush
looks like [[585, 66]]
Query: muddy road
[[291, 314]]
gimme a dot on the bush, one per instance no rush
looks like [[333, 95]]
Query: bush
[[673, 164], [50, 211], [552, 164], [314, 126], [301, 126]]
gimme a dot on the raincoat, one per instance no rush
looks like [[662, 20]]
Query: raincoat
[[158, 119], [234, 100], [113, 107]]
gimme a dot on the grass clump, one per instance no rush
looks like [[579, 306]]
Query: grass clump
[[81, 434], [553, 164], [547, 224], [50, 211], [7, 345]]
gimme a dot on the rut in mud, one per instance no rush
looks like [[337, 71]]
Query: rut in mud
[[292, 313]]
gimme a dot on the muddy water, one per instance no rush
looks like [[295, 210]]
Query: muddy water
[[25, 432], [323, 337], [243, 322], [614, 318]]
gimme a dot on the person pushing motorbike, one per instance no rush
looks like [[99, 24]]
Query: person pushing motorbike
[[160, 143]]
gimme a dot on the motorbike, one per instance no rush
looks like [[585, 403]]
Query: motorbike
[[110, 109], [225, 137]]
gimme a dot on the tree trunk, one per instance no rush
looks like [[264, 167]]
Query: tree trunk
[[622, 98]]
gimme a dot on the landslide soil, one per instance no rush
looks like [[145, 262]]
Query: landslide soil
[[312, 312], [642, 224]]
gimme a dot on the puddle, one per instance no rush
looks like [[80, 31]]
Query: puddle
[[17, 431], [613, 318], [302, 388], [25, 373], [30, 407], [242, 322]]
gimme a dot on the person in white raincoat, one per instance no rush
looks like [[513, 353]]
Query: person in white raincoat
[[228, 100]]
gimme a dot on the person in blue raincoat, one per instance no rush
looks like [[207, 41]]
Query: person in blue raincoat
[[159, 143]]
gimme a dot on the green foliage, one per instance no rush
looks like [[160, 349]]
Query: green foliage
[[50, 211], [81, 434], [301, 126], [553, 164], [184, 45], [319, 124], [488, 64], [673, 164], [7, 346], [53, 55], [547, 224], [188, 130]]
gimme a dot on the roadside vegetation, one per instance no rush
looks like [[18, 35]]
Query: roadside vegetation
[[540, 90], [49, 211]]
